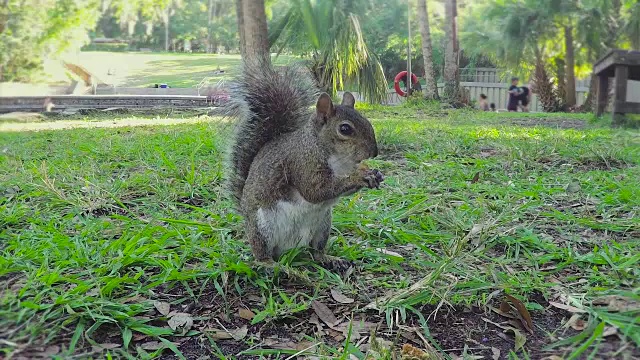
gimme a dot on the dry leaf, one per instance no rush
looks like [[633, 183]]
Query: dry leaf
[[520, 339], [389, 252], [51, 350], [576, 322], [180, 320], [410, 352], [239, 333], [339, 297], [568, 308], [609, 330], [108, 346], [324, 313], [162, 307], [525, 317], [217, 334], [152, 345], [616, 303], [246, 314], [496, 353], [552, 357], [476, 177]]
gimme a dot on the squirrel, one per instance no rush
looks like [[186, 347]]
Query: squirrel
[[289, 164]]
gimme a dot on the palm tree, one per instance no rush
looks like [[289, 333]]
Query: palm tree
[[252, 26], [329, 31], [451, 81], [427, 52]]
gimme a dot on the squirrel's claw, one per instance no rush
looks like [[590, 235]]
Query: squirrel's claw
[[373, 178]]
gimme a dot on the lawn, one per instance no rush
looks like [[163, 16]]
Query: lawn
[[494, 236], [136, 69]]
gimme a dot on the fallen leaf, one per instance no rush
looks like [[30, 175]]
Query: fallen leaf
[[524, 313], [616, 303], [609, 330], [109, 346], [389, 252], [552, 357], [181, 320], [239, 333], [324, 313], [476, 178], [339, 297], [576, 322], [52, 350], [410, 352], [246, 314], [505, 307], [520, 339], [496, 353], [162, 307], [134, 299], [217, 334], [152, 345], [139, 336], [569, 308]]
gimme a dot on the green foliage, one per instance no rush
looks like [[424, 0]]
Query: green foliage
[[108, 47], [99, 223], [330, 32], [31, 30]]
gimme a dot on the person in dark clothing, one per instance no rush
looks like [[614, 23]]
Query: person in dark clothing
[[524, 98], [514, 95]]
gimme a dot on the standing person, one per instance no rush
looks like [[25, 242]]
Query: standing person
[[525, 98], [484, 105], [514, 95]]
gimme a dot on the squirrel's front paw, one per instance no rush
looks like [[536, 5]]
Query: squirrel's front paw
[[373, 178]]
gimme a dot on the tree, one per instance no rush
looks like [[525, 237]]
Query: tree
[[252, 26], [451, 80], [32, 30], [427, 52], [329, 31]]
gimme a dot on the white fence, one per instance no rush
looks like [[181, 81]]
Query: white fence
[[495, 82]]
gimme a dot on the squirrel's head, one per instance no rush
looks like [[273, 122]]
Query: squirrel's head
[[348, 135]]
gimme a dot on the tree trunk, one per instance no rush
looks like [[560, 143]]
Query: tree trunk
[[427, 52], [256, 39], [451, 55], [166, 29], [240, 20], [570, 60], [593, 89], [210, 9]]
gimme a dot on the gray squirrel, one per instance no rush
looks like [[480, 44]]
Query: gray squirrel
[[289, 164]]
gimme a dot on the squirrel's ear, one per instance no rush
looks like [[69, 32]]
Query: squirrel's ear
[[348, 99], [324, 106]]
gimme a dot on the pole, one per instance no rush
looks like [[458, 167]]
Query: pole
[[409, 82]]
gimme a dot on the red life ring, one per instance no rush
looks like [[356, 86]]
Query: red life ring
[[396, 82]]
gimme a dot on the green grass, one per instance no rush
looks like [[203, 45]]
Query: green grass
[[98, 224], [134, 69]]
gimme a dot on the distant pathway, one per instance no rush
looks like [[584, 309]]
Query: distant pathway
[[79, 124]]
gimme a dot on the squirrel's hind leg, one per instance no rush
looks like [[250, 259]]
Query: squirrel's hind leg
[[260, 244], [319, 245]]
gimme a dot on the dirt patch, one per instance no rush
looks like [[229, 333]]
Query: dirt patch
[[556, 123]]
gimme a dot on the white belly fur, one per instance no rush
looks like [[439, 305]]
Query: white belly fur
[[291, 224]]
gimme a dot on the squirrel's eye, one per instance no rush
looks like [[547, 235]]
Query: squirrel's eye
[[346, 129]]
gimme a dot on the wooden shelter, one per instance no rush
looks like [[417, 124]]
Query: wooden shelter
[[622, 65]]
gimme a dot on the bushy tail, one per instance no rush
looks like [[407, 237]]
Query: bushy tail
[[266, 103]]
